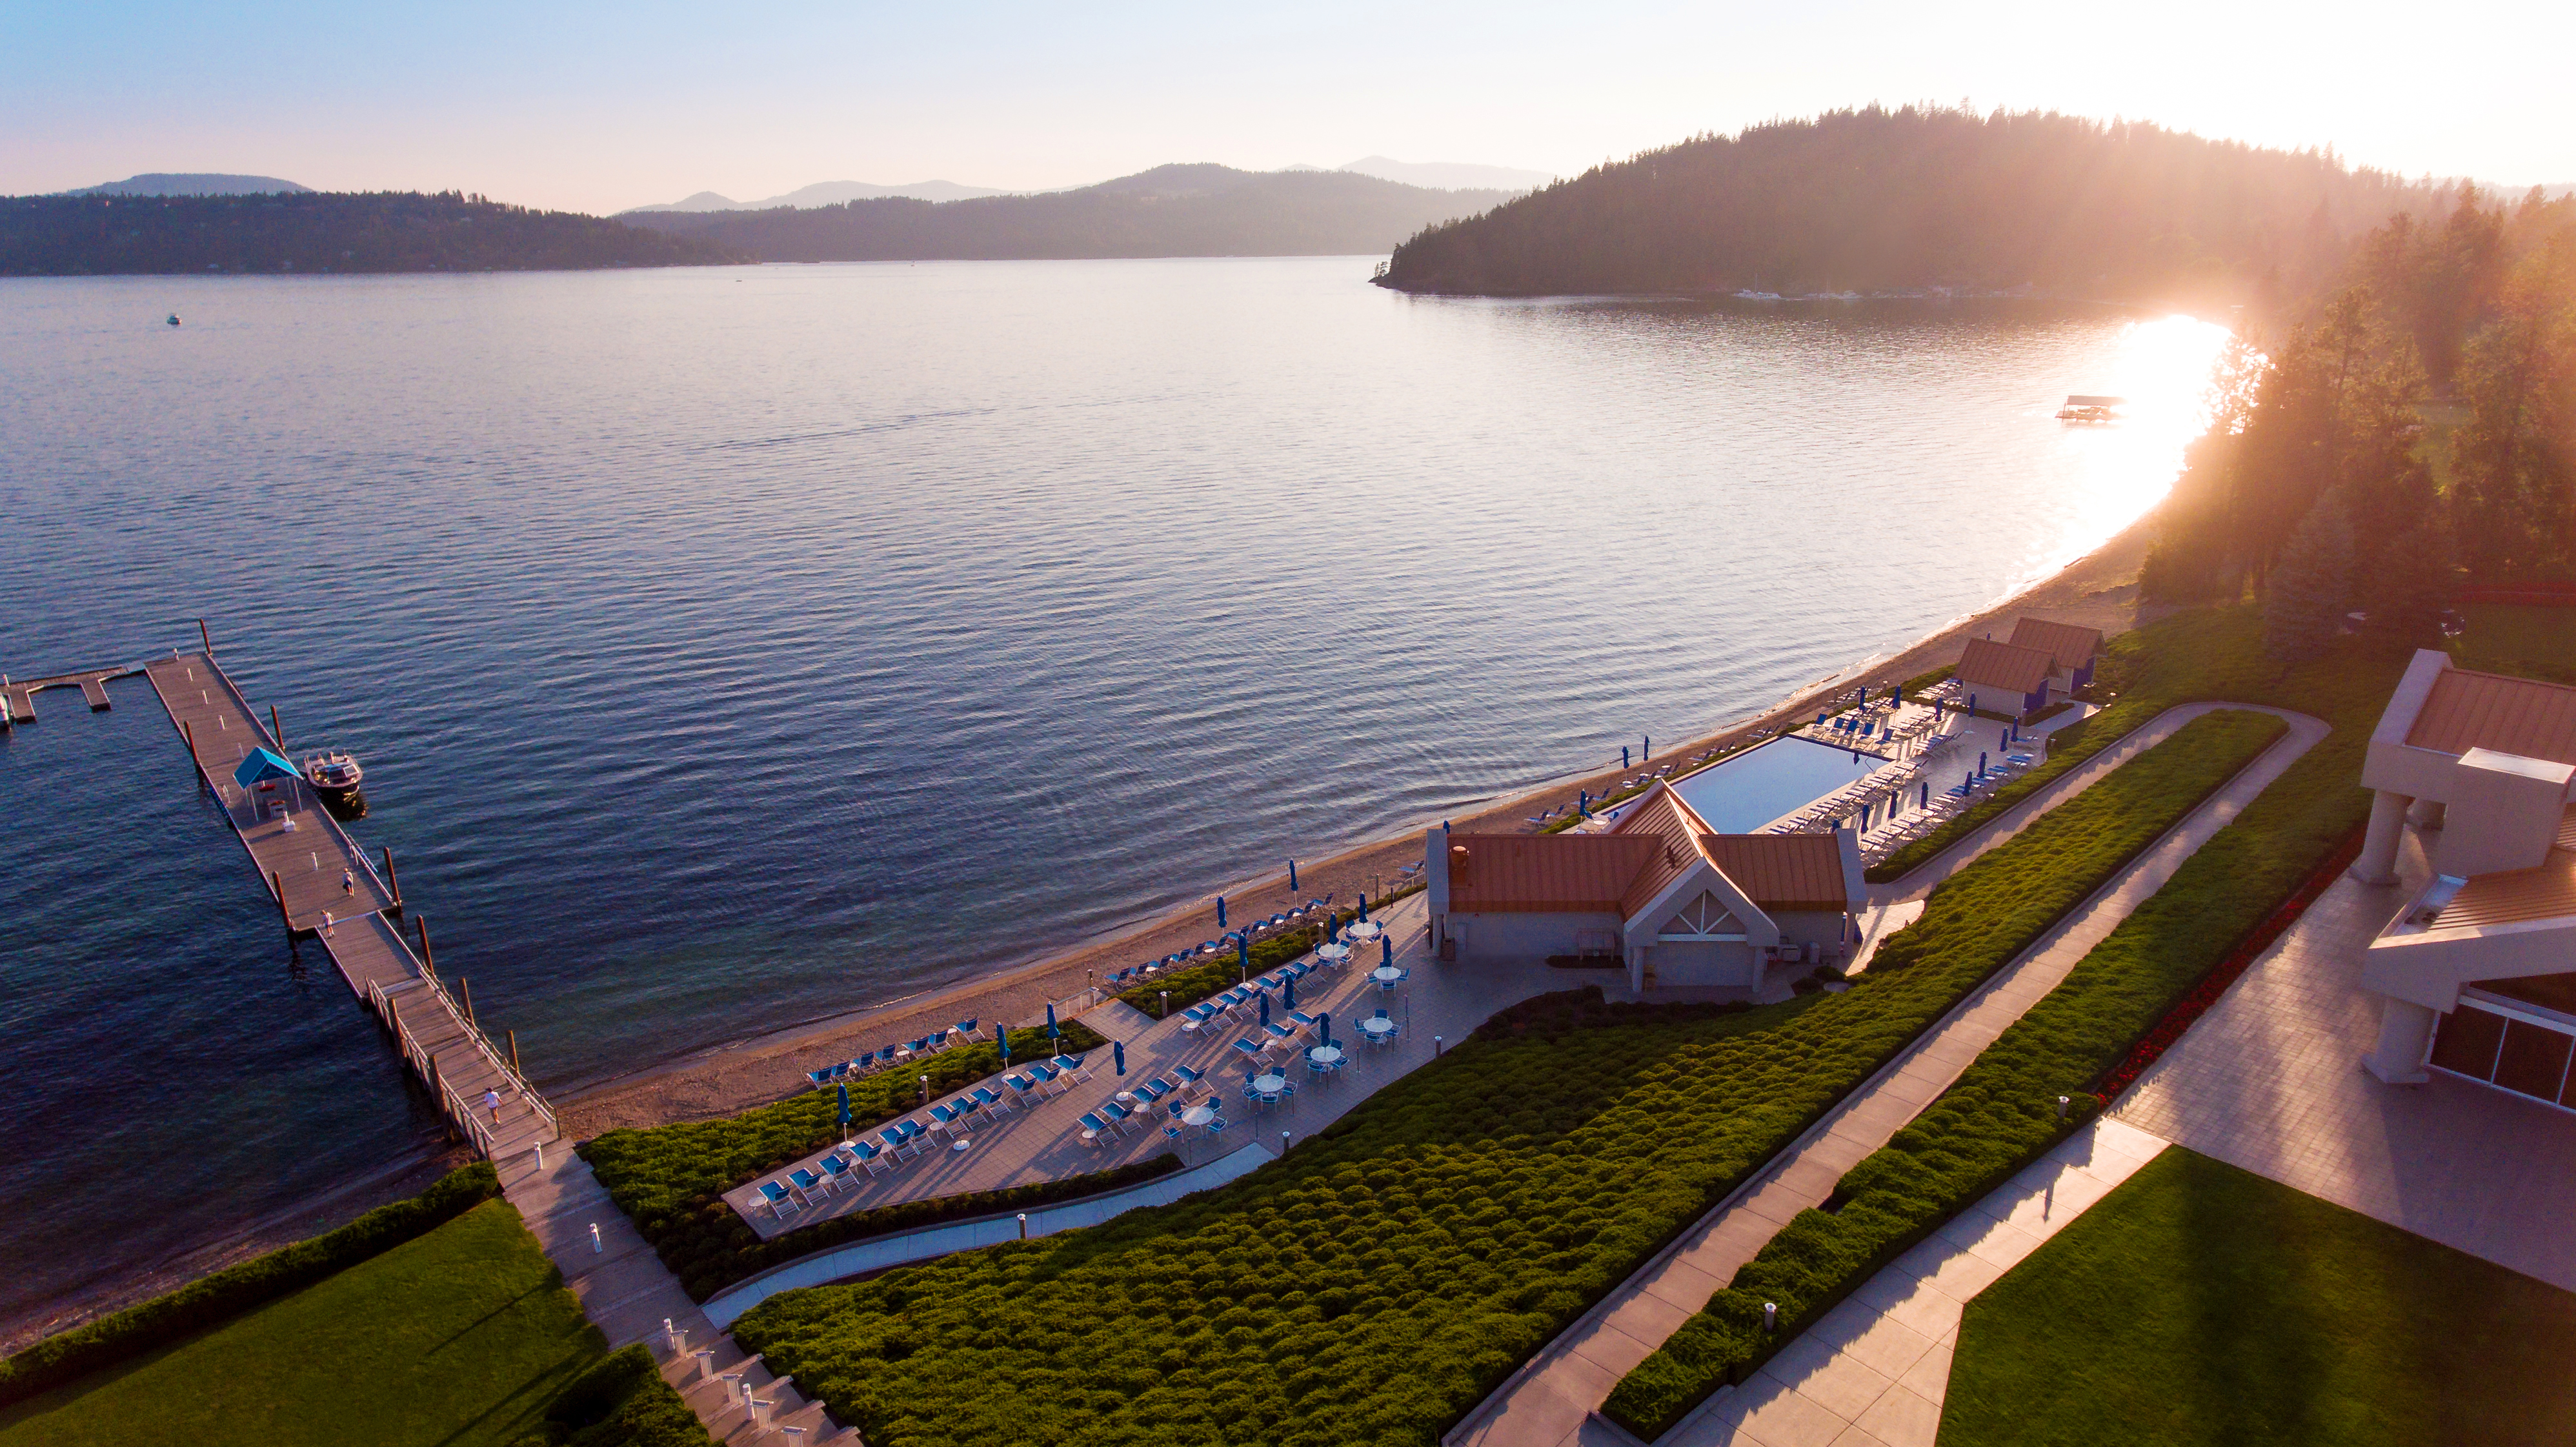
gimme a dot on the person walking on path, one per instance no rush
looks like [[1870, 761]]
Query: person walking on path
[[348, 885], [326, 924], [492, 1103]]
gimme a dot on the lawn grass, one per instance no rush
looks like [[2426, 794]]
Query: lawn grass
[[1376, 1283], [2528, 642], [458, 1338], [2202, 1304], [2001, 1111], [670, 1180]]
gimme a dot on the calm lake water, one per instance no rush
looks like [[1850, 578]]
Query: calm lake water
[[729, 648]]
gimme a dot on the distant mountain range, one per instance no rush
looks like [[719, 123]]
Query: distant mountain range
[[192, 183], [827, 193], [1182, 210], [1437, 175]]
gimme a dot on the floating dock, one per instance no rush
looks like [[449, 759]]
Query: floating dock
[[327, 890]]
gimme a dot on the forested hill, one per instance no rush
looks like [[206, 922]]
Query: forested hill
[[318, 232], [1919, 199], [1195, 210]]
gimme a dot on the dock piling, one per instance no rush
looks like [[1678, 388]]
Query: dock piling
[[274, 732], [393, 882], [465, 991], [190, 734], [277, 886], [428, 966], [514, 1054]]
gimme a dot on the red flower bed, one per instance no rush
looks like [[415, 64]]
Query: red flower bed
[[2224, 973]]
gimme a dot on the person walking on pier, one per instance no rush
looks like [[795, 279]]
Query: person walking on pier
[[348, 885], [492, 1103]]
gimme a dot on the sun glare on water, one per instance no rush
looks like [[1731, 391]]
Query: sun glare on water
[[2164, 369]]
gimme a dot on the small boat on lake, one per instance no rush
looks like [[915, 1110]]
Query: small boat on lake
[[335, 776], [2084, 407]]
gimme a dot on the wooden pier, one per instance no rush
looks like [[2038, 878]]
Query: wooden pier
[[329, 892]]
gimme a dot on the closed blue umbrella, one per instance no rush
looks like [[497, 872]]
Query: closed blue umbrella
[[1052, 1032], [1118, 1053], [1265, 1007], [1363, 904], [1292, 876], [1332, 927], [1002, 1033], [1288, 994], [1324, 1029], [845, 1105], [1243, 953], [1386, 950]]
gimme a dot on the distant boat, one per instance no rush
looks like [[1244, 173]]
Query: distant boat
[[1757, 296], [2081, 407], [335, 775], [174, 319]]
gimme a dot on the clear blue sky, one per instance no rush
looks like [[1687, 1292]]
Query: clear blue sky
[[600, 107]]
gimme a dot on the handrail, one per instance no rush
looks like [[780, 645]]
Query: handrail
[[483, 1044], [458, 1109]]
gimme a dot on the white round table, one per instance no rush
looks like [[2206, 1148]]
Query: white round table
[[1198, 1115], [1365, 930], [1325, 1055], [1386, 974], [1335, 952], [1378, 1027], [1269, 1084], [961, 1145]]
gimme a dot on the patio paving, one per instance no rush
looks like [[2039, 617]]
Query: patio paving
[[1043, 1141], [2270, 1079]]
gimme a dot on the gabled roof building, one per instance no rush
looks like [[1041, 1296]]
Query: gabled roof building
[[1675, 902], [2018, 677]]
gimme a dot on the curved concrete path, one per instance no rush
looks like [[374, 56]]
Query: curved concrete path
[[1550, 1401]]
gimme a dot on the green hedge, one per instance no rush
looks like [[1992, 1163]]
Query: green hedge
[[621, 1401], [1221, 973], [670, 1180], [228, 1293], [2002, 1111], [1383, 1277]]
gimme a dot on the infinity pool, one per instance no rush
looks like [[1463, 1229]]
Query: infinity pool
[[1754, 788]]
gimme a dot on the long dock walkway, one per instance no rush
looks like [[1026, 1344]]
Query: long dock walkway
[[328, 889]]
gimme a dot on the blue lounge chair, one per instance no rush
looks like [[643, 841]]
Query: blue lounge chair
[[1249, 1047], [836, 1169], [1071, 1065], [820, 1078], [808, 1184], [873, 1157], [781, 1204], [1192, 1077], [1147, 1091], [984, 1095], [897, 1143]]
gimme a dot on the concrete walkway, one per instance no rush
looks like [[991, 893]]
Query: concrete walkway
[[1551, 1399], [1873, 1372], [2271, 1080], [877, 1253]]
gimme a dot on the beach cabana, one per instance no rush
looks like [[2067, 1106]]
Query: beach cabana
[[261, 765], [2002, 671]]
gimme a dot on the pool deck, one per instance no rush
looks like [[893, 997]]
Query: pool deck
[[1043, 1142]]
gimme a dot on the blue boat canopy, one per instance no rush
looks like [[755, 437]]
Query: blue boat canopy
[[262, 764]]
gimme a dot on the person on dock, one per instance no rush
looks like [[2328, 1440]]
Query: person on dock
[[492, 1103], [348, 885], [326, 924]]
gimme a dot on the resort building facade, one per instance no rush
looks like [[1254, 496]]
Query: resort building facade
[[1680, 905], [2477, 973], [2042, 661]]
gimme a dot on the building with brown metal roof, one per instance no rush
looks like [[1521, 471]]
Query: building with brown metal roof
[[2070, 648], [2477, 974], [1679, 904]]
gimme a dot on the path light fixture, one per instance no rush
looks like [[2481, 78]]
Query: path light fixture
[[2061, 1107], [1024, 1225], [596, 1245], [1770, 1316], [1283, 1143], [925, 1090], [1167, 1006]]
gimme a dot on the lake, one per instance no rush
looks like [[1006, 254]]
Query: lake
[[729, 648]]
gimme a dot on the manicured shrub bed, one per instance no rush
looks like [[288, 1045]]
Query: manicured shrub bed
[[1383, 1277], [2201, 1305], [2002, 1111], [621, 1401], [1187, 987], [228, 1293], [670, 1180]]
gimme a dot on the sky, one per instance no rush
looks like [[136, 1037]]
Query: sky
[[599, 107]]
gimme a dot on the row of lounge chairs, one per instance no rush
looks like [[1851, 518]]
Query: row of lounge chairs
[[1246, 998], [900, 1140], [1138, 974], [870, 1062], [1171, 1095]]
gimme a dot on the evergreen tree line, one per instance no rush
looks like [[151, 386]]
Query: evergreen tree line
[[1921, 199], [2323, 488], [305, 232], [1186, 210]]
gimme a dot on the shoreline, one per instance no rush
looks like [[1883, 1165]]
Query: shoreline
[[2098, 589]]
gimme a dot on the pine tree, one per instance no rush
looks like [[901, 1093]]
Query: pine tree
[[2304, 603]]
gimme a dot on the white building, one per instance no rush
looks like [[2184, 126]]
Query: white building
[[2477, 974], [1682, 905]]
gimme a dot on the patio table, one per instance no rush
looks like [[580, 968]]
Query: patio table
[[1325, 1055], [1335, 952], [1270, 1084], [1198, 1115], [1378, 1027], [1386, 975]]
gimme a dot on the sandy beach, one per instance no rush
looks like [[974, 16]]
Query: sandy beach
[[2098, 590]]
